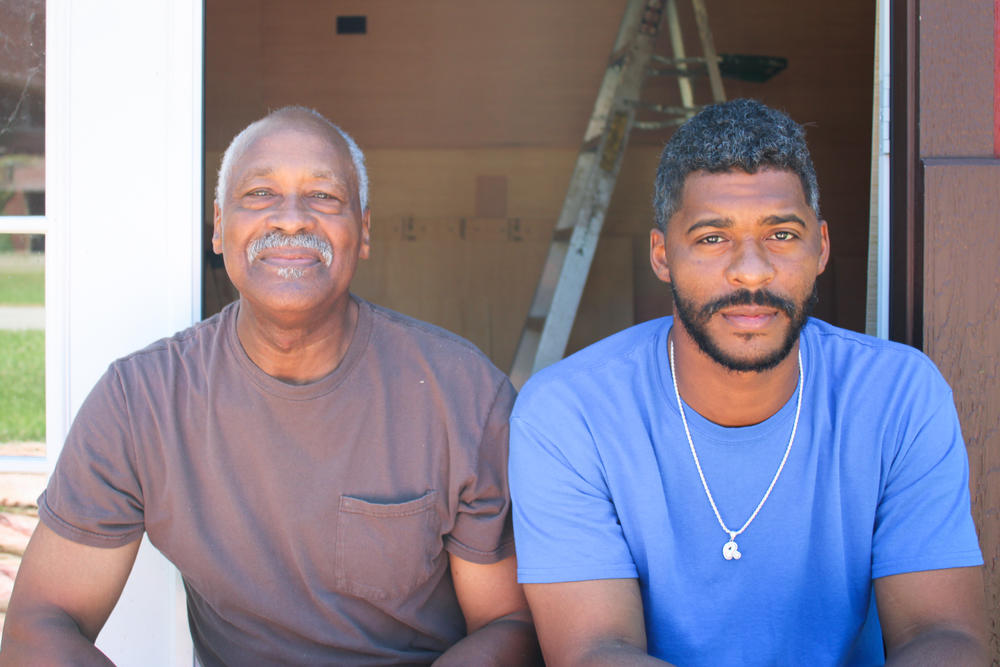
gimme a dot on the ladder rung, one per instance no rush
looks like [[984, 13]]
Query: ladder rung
[[692, 71], [657, 124], [672, 110], [679, 61]]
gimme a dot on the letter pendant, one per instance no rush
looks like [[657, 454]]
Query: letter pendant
[[730, 551]]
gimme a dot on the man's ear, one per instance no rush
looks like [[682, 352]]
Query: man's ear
[[366, 234], [824, 254], [216, 228], [658, 254]]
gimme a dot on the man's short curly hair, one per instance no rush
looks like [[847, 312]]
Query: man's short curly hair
[[741, 134]]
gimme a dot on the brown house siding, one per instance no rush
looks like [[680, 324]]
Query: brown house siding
[[960, 201], [962, 329]]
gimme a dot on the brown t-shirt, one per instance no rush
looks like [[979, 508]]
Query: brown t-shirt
[[311, 523]]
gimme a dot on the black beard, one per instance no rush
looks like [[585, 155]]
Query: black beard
[[696, 323]]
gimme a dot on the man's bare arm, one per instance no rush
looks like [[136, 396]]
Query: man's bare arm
[[498, 624], [937, 617], [597, 622], [63, 594]]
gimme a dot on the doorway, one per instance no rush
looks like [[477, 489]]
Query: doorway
[[471, 115]]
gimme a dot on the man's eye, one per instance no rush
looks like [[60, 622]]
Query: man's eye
[[711, 239], [260, 192], [322, 195], [782, 235]]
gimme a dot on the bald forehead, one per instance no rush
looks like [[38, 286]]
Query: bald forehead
[[291, 122]]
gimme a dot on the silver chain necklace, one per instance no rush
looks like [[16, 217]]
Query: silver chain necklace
[[730, 551]]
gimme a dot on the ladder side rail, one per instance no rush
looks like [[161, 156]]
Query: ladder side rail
[[541, 302], [708, 48], [572, 280], [581, 183], [677, 47], [593, 206]]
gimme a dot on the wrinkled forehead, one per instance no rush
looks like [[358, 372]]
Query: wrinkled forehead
[[291, 141], [734, 193]]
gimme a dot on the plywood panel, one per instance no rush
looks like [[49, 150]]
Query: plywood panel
[[651, 297], [234, 61], [491, 196], [435, 73], [956, 76], [848, 278], [962, 330], [460, 73], [443, 183], [607, 303], [480, 289]]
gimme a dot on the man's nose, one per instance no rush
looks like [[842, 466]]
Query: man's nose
[[292, 215], [751, 265]]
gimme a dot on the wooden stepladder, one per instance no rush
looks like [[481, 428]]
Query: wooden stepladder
[[574, 240]]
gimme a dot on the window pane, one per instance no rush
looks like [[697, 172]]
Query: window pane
[[22, 107], [22, 344]]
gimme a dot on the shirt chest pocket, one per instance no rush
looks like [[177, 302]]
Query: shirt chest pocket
[[385, 550]]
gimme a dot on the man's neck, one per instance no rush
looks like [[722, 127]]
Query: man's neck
[[297, 349], [730, 398]]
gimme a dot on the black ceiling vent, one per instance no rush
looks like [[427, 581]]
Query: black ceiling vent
[[352, 25]]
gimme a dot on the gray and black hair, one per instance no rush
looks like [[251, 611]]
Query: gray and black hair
[[741, 134], [240, 141]]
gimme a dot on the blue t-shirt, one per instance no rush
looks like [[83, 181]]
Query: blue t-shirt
[[876, 483]]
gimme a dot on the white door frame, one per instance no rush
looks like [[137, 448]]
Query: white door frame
[[123, 248]]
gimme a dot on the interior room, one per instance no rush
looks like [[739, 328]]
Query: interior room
[[472, 113]]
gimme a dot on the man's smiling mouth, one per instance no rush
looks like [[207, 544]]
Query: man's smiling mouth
[[295, 249]]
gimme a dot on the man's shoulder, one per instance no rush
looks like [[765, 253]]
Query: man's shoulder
[[850, 349], [186, 343], [856, 367]]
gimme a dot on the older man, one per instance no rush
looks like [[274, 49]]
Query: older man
[[328, 476], [740, 484]]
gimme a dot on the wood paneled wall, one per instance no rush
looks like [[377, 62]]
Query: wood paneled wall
[[961, 253], [962, 330]]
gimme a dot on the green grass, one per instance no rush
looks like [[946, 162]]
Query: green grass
[[22, 279], [22, 378], [22, 289]]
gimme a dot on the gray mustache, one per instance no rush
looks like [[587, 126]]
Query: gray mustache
[[277, 239]]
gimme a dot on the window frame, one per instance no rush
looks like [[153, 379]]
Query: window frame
[[123, 209], [39, 224]]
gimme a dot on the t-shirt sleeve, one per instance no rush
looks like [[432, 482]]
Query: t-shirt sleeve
[[482, 532], [94, 496], [923, 521], [566, 527]]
